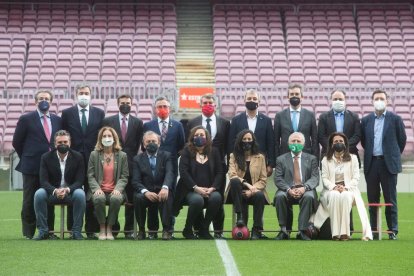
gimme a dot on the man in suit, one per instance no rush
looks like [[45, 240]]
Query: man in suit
[[152, 180], [129, 129], [295, 118], [339, 119], [83, 122], [257, 122], [62, 173], [34, 136], [383, 139], [219, 130], [296, 177], [172, 141]]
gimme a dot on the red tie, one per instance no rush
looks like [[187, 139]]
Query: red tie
[[46, 128], [124, 129]]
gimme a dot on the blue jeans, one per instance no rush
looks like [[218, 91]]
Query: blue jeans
[[42, 200]]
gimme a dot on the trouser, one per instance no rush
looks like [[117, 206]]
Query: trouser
[[129, 209], [339, 207], [100, 201], [196, 203], [141, 203]]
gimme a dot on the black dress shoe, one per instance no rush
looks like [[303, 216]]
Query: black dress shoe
[[129, 236], [141, 235], [188, 234], [219, 236], [41, 237], [282, 236], [302, 236], [392, 236], [256, 235], [152, 236], [53, 237], [77, 237], [205, 235], [91, 236], [28, 237], [166, 236]]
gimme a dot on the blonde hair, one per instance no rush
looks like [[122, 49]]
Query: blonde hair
[[116, 146]]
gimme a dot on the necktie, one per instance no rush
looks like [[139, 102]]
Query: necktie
[[208, 126], [84, 122], [152, 164], [294, 121], [296, 171], [164, 130], [124, 129], [338, 122], [46, 128]]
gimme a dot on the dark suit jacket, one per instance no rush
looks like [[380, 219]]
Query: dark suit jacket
[[143, 178], [84, 143], [264, 135], [30, 142], [307, 126], [220, 140], [393, 141], [133, 137], [327, 126], [51, 175]]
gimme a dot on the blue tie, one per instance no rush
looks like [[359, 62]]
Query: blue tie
[[294, 121], [152, 164]]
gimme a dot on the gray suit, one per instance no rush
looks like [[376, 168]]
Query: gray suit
[[307, 126], [284, 180]]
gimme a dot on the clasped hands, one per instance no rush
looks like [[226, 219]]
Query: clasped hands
[[204, 192], [61, 192], [100, 192], [154, 197], [297, 192], [340, 188], [252, 190]]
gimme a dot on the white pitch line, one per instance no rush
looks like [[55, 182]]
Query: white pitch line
[[227, 258]]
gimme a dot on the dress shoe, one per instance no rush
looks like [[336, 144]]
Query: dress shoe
[[129, 236], [188, 234], [152, 236], [41, 237], [257, 235], [282, 236], [53, 237], [392, 236], [205, 235], [219, 236], [166, 236], [336, 238], [302, 236], [28, 237], [77, 236], [375, 236], [344, 238], [91, 236], [239, 220], [141, 235]]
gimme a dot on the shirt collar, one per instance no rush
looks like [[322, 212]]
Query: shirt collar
[[381, 116], [80, 108], [212, 117], [299, 155], [291, 109], [336, 113], [122, 115], [155, 155], [64, 159], [41, 114], [255, 116], [166, 120]]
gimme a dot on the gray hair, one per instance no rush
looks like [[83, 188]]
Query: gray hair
[[161, 98], [79, 86], [62, 132], [298, 133], [150, 132]]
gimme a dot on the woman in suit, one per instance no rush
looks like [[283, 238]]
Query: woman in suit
[[340, 177], [201, 173], [107, 177], [248, 175]]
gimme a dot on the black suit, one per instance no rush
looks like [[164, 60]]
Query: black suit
[[85, 144], [30, 142], [144, 179], [352, 130], [130, 146], [265, 136]]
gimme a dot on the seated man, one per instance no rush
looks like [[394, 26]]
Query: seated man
[[296, 177], [152, 179], [62, 173]]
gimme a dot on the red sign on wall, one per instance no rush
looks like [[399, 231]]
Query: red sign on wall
[[190, 96]]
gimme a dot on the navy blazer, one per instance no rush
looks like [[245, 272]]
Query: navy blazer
[[142, 177], [393, 141], [84, 143], [30, 142], [264, 135], [50, 174]]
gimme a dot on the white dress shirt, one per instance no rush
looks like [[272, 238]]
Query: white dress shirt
[[213, 124]]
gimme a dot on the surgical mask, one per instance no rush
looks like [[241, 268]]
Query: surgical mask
[[295, 148], [338, 106], [62, 148], [199, 141], [379, 105], [152, 148], [83, 100], [125, 109], [251, 105], [208, 110], [294, 101], [246, 146], [107, 142], [43, 106], [163, 113], [339, 147]]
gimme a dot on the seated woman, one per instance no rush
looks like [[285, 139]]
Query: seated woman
[[248, 175], [201, 172], [107, 177], [340, 177]]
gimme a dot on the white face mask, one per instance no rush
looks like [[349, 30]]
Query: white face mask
[[107, 142], [338, 106], [83, 100], [379, 105]]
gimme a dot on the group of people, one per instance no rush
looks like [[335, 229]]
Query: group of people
[[88, 162]]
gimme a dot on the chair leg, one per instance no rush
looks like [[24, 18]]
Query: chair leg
[[62, 221], [379, 223]]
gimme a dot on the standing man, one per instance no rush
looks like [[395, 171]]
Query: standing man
[[260, 124], [152, 180], [295, 118], [339, 119], [62, 173], [172, 141], [219, 130], [34, 136], [383, 139], [296, 179], [83, 122], [129, 129]]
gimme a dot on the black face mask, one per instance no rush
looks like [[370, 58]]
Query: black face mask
[[339, 147], [43, 106], [246, 146], [251, 105], [152, 148], [63, 149], [125, 109], [294, 101]]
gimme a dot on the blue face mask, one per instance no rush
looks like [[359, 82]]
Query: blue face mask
[[43, 106], [199, 141]]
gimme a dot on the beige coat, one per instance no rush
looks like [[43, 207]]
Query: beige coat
[[351, 179], [258, 174]]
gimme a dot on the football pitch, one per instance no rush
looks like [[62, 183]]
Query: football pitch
[[187, 257]]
